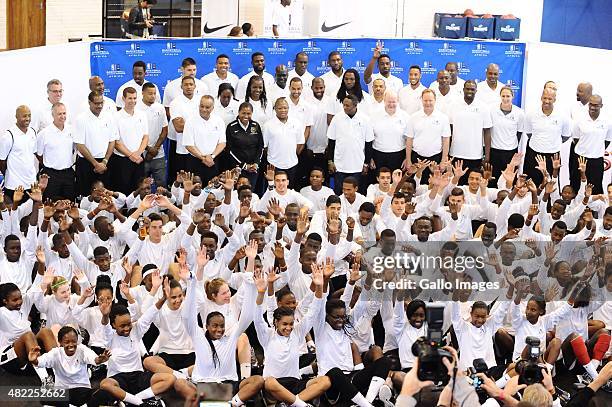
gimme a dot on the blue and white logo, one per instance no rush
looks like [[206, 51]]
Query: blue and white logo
[[99, 51], [452, 27], [207, 48], [134, 50], [346, 48], [312, 47], [277, 48], [514, 51], [152, 70], [507, 29], [481, 28], [447, 49], [115, 71], [480, 50], [463, 68], [428, 68], [242, 48], [323, 67], [413, 48], [171, 49]]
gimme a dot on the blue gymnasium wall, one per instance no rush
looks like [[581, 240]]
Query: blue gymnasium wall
[[113, 60], [586, 23]]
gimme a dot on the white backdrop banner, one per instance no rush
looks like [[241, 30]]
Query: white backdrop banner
[[341, 18], [296, 20], [218, 17]]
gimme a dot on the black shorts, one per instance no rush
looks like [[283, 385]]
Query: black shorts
[[133, 382], [292, 384], [10, 362], [178, 361]]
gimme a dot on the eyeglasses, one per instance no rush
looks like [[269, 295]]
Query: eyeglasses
[[56, 91]]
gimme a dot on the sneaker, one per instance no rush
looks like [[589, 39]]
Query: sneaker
[[585, 378], [47, 382], [607, 387], [385, 394], [153, 402]]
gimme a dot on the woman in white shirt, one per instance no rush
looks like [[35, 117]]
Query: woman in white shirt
[[69, 363], [256, 95], [226, 105], [351, 85], [508, 126]]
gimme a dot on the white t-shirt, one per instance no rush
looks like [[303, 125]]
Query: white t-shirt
[[302, 111], [390, 131], [156, 121], [185, 108], [579, 111], [282, 139], [351, 135], [212, 82], [317, 142], [204, 134], [468, 123], [318, 198], [489, 97], [365, 105], [444, 102], [427, 132], [173, 90], [274, 92], [70, 371], [332, 83], [505, 127], [95, 132], [19, 152], [131, 129], [42, 116], [281, 18], [56, 147], [244, 82], [410, 99], [262, 114], [547, 131], [132, 84], [457, 87], [391, 83], [306, 78], [227, 113], [592, 135]]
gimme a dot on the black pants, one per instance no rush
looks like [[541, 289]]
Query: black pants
[[594, 174], [61, 184], [125, 174], [414, 157], [346, 386], [77, 396], [198, 168], [85, 176], [573, 167], [530, 165], [393, 161], [306, 162], [499, 161], [172, 158], [470, 165]]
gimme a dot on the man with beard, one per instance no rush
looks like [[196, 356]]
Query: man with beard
[[301, 70], [258, 62], [333, 77], [384, 71], [279, 88], [139, 72]]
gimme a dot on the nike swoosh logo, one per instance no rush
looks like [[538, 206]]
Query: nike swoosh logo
[[326, 29], [212, 30]]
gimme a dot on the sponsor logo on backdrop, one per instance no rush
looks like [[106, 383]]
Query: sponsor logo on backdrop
[[480, 50], [134, 50], [413, 48], [171, 49], [327, 28], [277, 48], [207, 48], [152, 70], [452, 27], [507, 29], [99, 51], [322, 68], [463, 69], [360, 65], [447, 49], [209, 30], [312, 47], [513, 85], [514, 51], [289, 65], [346, 48], [396, 69], [427, 67], [242, 48], [115, 71], [481, 28]]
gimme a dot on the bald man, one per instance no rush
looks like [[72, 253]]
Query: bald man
[[279, 88], [18, 153], [546, 128], [488, 90], [96, 84]]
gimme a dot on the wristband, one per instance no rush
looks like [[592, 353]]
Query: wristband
[[358, 367]]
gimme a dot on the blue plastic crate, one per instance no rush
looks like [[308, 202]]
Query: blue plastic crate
[[480, 28], [449, 27], [507, 30]]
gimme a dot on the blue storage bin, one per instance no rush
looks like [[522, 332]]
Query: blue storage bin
[[507, 30], [480, 28], [449, 27]]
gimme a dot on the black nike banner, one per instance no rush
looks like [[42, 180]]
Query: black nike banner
[[218, 17]]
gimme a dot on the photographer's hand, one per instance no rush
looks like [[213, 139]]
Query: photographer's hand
[[412, 385]]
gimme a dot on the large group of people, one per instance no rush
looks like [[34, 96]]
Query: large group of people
[[236, 232]]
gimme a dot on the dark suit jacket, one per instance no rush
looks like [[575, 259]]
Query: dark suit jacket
[[136, 21]]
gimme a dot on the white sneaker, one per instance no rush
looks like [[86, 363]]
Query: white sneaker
[[385, 394]]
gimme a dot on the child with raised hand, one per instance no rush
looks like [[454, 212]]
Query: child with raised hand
[[126, 379], [69, 363], [280, 342], [215, 346]]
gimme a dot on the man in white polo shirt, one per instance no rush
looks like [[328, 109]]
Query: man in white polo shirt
[[471, 126], [384, 71], [284, 138], [17, 153], [594, 134], [546, 129], [132, 139], [279, 88], [302, 111], [258, 62], [96, 84], [204, 138], [488, 90], [456, 83], [317, 141], [300, 70], [333, 77], [95, 135], [220, 75], [173, 88], [181, 109], [55, 151], [446, 94], [378, 96], [139, 72], [41, 116], [579, 111], [350, 137], [390, 127], [157, 123], [428, 134], [410, 95]]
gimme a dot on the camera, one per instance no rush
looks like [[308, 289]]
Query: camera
[[530, 370], [428, 349], [479, 366]]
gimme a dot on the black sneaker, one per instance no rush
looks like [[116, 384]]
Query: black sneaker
[[153, 402]]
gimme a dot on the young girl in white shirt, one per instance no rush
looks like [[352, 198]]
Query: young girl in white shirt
[[69, 363]]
